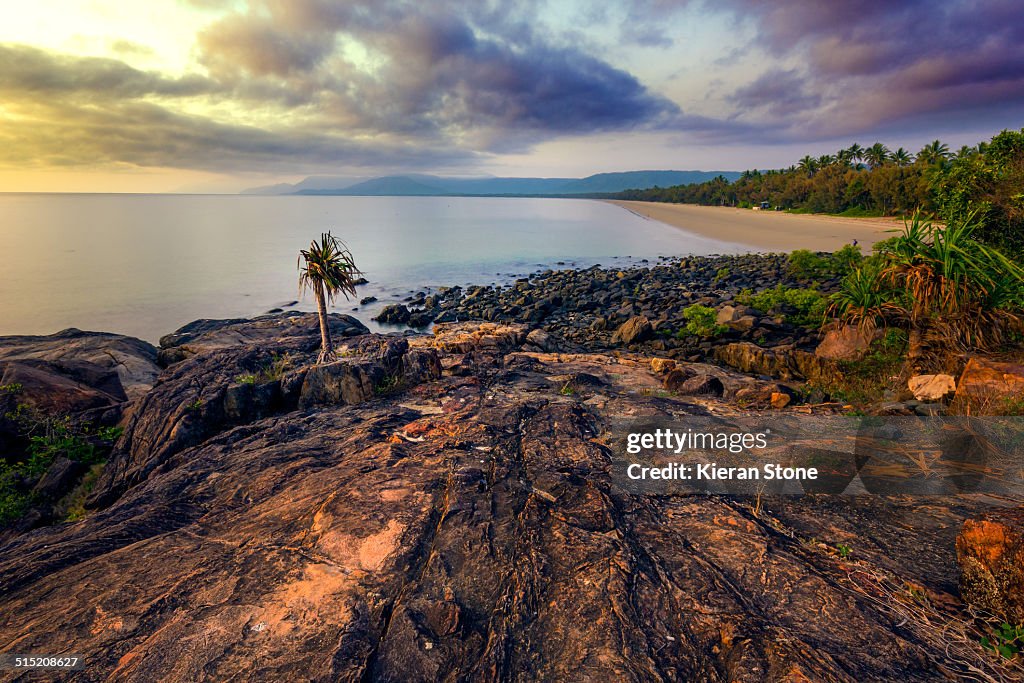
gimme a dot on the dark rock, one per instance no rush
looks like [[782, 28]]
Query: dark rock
[[111, 364], [420, 319], [676, 377], [393, 314], [704, 385], [205, 335], [60, 476], [367, 300]]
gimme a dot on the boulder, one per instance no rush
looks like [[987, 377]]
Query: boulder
[[660, 366], [289, 328], [540, 339], [762, 395], [393, 314], [112, 364], [744, 323], [48, 388], [339, 383], [701, 385], [847, 343], [931, 387], [469, 336], [635, 330], [727, 314], [419, 319], [676, 377], [990, 553], [785, 364], [987, 380]]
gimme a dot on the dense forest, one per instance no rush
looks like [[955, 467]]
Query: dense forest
[[987, 179]]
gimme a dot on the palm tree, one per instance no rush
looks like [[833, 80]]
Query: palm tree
[[934, 152], [856, 152], [966, 151], [809, 165], [826, 160], [902, 157], [327, 268], [876, 155]]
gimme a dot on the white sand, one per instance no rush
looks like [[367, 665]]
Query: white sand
[[767, 230]]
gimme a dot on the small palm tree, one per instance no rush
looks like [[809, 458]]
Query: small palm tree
[[327, 268], [862, 300]]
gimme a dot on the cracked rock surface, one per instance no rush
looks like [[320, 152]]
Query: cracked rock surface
[[458, 522]]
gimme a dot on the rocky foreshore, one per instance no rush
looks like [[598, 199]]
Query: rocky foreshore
[[583, 309], [442, 506]]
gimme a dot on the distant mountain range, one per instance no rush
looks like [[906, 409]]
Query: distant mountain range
[[431, 185]]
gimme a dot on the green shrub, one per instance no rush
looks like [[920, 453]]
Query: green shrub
[[804, 307], [1007, 640], [846, 260], [805, 264], [48, 438], [701, 321]]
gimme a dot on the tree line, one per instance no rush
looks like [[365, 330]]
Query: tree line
[[986, 180]]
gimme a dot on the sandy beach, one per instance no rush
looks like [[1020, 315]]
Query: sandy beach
[[767, 230]]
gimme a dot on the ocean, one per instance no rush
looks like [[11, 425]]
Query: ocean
[[144, 265]]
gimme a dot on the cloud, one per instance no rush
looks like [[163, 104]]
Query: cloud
[[69, 111], [873, 66], [31, 71], [309, 84], [143, 134], [780, 92], [480, 76]]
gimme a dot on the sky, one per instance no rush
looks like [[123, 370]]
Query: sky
[[217, 96]]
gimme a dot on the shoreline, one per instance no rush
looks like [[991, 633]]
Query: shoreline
[[765, 230]]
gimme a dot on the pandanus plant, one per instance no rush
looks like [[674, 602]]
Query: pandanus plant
[[327, 269], [949, 291], [960, 293]]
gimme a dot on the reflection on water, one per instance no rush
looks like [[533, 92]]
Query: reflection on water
[[145, 264]]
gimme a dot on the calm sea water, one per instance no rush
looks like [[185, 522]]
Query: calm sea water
[[144, 265]]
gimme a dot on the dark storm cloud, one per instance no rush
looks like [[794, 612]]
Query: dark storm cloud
[[781, 93], [882, 66], [482, 74]]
